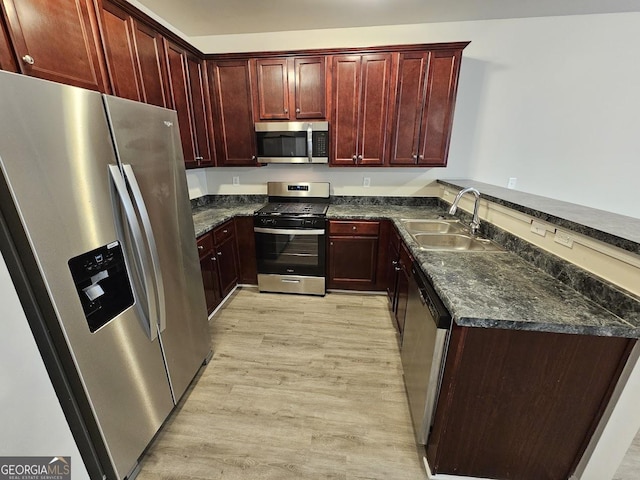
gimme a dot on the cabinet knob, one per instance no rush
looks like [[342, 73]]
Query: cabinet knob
[[354, 228], [394, 262], [354, 158], [286, 110], [297, 110], [225, 231], [414, 156], [200, 247], [360, 157], [214, 259], [28, 59], [421, 157], [397, 269], [254, 158], [219, 254], [199, 158]]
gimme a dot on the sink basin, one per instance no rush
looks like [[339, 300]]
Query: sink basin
[[454, 242], [432, 226]]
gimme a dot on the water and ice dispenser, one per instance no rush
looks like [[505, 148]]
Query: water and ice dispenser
[[102, 283]]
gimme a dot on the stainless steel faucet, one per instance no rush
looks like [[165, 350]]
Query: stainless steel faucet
[[475, 222]]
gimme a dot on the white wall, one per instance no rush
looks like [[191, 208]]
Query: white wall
[[32, 420], [553, 101]]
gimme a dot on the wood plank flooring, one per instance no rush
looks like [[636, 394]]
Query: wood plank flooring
[[299, 388]]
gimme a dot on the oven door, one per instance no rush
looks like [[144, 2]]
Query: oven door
[[290, 251]]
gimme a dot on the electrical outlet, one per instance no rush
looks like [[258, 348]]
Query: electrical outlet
[[236, 180], [512, 182], [366, 182], [538, 228], [564, 239]]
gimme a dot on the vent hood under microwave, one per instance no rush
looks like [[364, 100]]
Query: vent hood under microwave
[[292, 142]]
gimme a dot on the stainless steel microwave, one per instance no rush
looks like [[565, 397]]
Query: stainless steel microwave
[[292, 142]]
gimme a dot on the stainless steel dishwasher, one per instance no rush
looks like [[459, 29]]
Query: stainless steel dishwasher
[[424, 345]]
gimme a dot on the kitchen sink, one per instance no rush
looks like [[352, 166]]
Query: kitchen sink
[[432, 226], [454, 242]]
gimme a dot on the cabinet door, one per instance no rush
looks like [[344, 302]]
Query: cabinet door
[[310, 88], [7, 62], [234, 130], [117, 29], [200, 110], [437, 118], [180, 101], [412, 69], [246, 250], [272, 81], [208, 267], [227, 265], [150, 57], [361, 89], [57, 40], [392, 272], [346, 96], [373, 109], [353, 262]]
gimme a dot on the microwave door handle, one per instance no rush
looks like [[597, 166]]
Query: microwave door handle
[[310, 142]]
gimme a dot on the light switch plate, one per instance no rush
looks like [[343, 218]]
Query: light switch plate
[[236, 180], [512, 182], [538, 228], [366, 182]]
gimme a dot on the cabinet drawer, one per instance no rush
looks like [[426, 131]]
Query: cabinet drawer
[[205, 244], [353, 228], [223, 232]]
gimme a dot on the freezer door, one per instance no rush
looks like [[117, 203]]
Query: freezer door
[[55, 151], [148, 146]]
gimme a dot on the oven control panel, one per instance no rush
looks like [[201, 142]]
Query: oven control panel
[[289, 222]]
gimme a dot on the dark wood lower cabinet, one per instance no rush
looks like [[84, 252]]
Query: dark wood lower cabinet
[[209, 270], [218, 263], [353, 254], [210, 280], [246, 251], [520, 405]]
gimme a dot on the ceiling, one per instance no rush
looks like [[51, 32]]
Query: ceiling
[[226, 17]]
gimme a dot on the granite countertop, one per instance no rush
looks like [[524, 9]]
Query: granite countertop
[[480, 289], [617, 230]]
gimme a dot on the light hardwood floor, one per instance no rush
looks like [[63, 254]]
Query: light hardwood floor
[[299, 388]]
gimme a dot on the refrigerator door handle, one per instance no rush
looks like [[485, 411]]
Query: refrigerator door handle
[[136, 236], [151, 242]]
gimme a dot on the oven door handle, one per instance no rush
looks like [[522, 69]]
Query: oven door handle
[[286, 231]]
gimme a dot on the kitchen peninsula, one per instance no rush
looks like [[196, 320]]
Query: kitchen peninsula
[[505, 311]]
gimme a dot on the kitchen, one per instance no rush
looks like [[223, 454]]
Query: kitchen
[[491, 136]]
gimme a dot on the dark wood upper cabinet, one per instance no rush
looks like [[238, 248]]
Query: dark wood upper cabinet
[[201, 110], [272, 81], [425, 100], [151, 64], [361, 89], [189, 95], [291, 88], [119, 45], [180, 99], [310, 87], [7, 60], [230, 82], [57, 40]]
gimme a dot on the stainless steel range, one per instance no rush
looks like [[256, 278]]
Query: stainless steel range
[[291, 238]]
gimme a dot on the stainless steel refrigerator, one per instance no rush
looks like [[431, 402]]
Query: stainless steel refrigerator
[[96, 223]]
